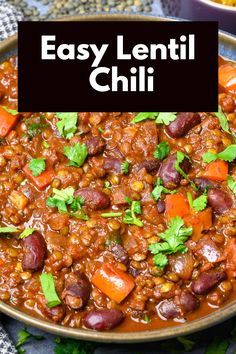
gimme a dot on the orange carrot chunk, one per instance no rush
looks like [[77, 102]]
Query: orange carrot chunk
[[200, 222], [227, 77], [217, 170], [41, 181], [113, 282], [7, 121], [176, 205]]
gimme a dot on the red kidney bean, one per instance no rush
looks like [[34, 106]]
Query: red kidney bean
[[184, 122], [119, 253], [111, 164], [77, 290], [188, 301], [104, 319], [168, 309], [95, 145], [207, 281], [170, 177], [150, 165], [35, 251], [94, 199], [161, 206], [203, 183], [55, 313], [219, 200]]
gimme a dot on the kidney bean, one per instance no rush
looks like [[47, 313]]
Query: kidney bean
[[207, 281], [35, 250], [94, 199], [77, 290], [168, 309], [170, 177], [184, 122], [203, 183], [219, 200], [188, 301], [104, 319], [95, 145], [150, 165], [119, 253], [111, 164], [161, 206]]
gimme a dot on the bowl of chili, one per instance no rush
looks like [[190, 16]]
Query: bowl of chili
[[118, 227]]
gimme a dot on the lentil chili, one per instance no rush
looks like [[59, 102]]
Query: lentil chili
[[117, 219]]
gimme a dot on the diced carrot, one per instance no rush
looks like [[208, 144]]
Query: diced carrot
[[217, 170], [1, 262], [7, 121], [41, 181], [227, 77], [200, 221], [113, 282], [176, 205], [18, 199], [230, 251]]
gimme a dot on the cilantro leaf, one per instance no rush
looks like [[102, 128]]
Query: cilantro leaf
[[162, 150], [231, 184], [228, 154], [143, 116], [159, 189], [45, 144], [160, 117], [10, 110], [107, 184], [199, 203], [223, 120], [37, 166], [80, 214], [125, 167], [217, 346], [166, 118], [64, 198], [174, 238], [76, 154], [8, 229], [24, 336], [180, 156], [130, 217], [48, 287], [67, 125], [73, 346], [26, 232], [35, 127]]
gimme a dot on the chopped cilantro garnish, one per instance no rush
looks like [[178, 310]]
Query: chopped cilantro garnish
[[125, 167], [130, 214], [49, 291], [67, 125], [37, 166], [35, 126], [8, 229], [76, 154], [10, 110], [199, 203], [73, 346], [180, 156], [159, 117], [162, 150], [100, 130], [46, 145], [63, 198], [231, 184], [26, 233], [80, 214], [217, 346], [174, 238], [229, 154], [111, 215], [24, 336], [107, 184], [223, 120], [159, 189]]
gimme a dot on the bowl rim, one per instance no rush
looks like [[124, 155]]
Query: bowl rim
[[218, 5], [220, 315]]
